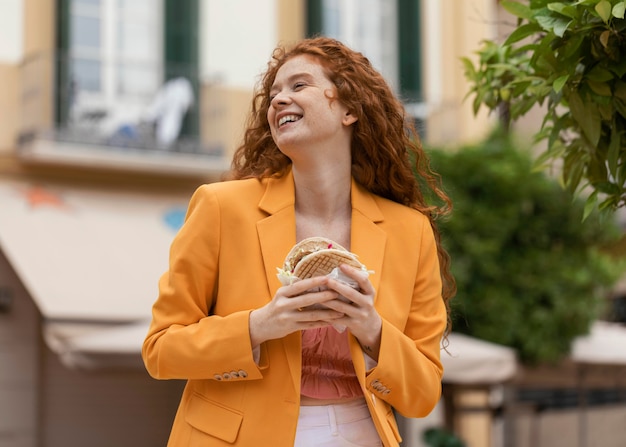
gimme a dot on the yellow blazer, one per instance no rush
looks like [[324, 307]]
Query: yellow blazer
[[223, 265]]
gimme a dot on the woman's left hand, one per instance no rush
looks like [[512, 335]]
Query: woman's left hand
[[361, 316]]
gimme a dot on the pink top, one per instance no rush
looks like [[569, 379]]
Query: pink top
[[327, 369]]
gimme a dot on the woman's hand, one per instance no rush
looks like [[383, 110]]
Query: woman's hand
[[288, 311], [360, 316]]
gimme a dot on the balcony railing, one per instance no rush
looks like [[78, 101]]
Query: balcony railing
[[117, 116]]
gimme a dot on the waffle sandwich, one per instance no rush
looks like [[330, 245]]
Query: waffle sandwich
[[315, 256]]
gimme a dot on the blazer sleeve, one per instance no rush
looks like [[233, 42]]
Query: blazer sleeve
[[184, 341], [409, 371]]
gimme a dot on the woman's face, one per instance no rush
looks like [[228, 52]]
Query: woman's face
[[303, 112]]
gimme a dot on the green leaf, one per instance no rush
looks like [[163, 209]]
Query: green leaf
[[590, 204], [470, 71], [619, 9], [620, 90], [614, 149], [601, 88], [573, 169], [560, 26], [599, 74], [559, 82], [522, 32], [619, 68], [621, 107], [563, 9], [587, 118], [518, 10], [604, 10], [572, 46], [553, 24]]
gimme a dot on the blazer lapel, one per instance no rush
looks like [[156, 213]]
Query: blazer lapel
[[277, 234], [367, 239], [277, 231]]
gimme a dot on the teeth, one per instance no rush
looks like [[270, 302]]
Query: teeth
[[288, 119]]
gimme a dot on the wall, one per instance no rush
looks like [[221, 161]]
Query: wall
[[230, 72], [105, 408], [9, 107], [561, 428], [11, 50], [453, 29], [19, 362]]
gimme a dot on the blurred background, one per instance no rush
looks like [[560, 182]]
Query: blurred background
[[113, 111]]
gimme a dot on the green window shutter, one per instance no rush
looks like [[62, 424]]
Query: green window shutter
[[181, 47], [314, 17], [410, 50], [61, 63]]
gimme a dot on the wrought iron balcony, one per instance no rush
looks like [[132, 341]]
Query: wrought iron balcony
[[129, 121]]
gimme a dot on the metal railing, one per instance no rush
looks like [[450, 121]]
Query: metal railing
[[55, 107]]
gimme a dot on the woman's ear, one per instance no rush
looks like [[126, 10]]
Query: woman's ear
[[349, 118]]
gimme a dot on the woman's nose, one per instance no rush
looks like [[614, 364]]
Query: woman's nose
[[280, 99]]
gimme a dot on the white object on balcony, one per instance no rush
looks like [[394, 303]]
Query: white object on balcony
[[168, 110]]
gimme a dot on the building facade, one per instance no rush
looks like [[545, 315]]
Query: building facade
[[112, 113]]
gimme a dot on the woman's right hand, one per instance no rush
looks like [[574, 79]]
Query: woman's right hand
[[288, 311]]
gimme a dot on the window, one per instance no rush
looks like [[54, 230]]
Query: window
[[114, 57], [386, 31]]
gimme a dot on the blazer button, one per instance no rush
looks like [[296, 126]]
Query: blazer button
[[217, 377], [387, 391], [234, 374], [226, 376], [243, 374]]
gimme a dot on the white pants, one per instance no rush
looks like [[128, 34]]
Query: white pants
[[343, 425]]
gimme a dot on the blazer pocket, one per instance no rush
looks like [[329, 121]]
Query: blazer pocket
[[213, 418]]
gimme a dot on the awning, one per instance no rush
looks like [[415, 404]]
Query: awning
[[88, 255], [97, 346], [604, 345], [472, 361]]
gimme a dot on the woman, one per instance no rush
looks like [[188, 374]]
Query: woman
[[327, 152]]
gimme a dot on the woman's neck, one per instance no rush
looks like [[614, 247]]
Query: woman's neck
[[323, 204]]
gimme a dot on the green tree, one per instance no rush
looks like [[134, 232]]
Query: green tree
[[530, 273], [570, 57]]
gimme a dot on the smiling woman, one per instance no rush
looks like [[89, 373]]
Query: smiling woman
[[305, 115], [327, 153]]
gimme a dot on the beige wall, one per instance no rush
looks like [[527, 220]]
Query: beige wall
[[291, 20], [39, 17], [460, 28], [38, 42], [9, 107], [39, 52], [224, 112], [225, 109]]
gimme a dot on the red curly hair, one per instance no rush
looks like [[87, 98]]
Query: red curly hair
[[387, 155]]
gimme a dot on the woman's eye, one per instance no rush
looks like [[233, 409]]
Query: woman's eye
[[298, 85]]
